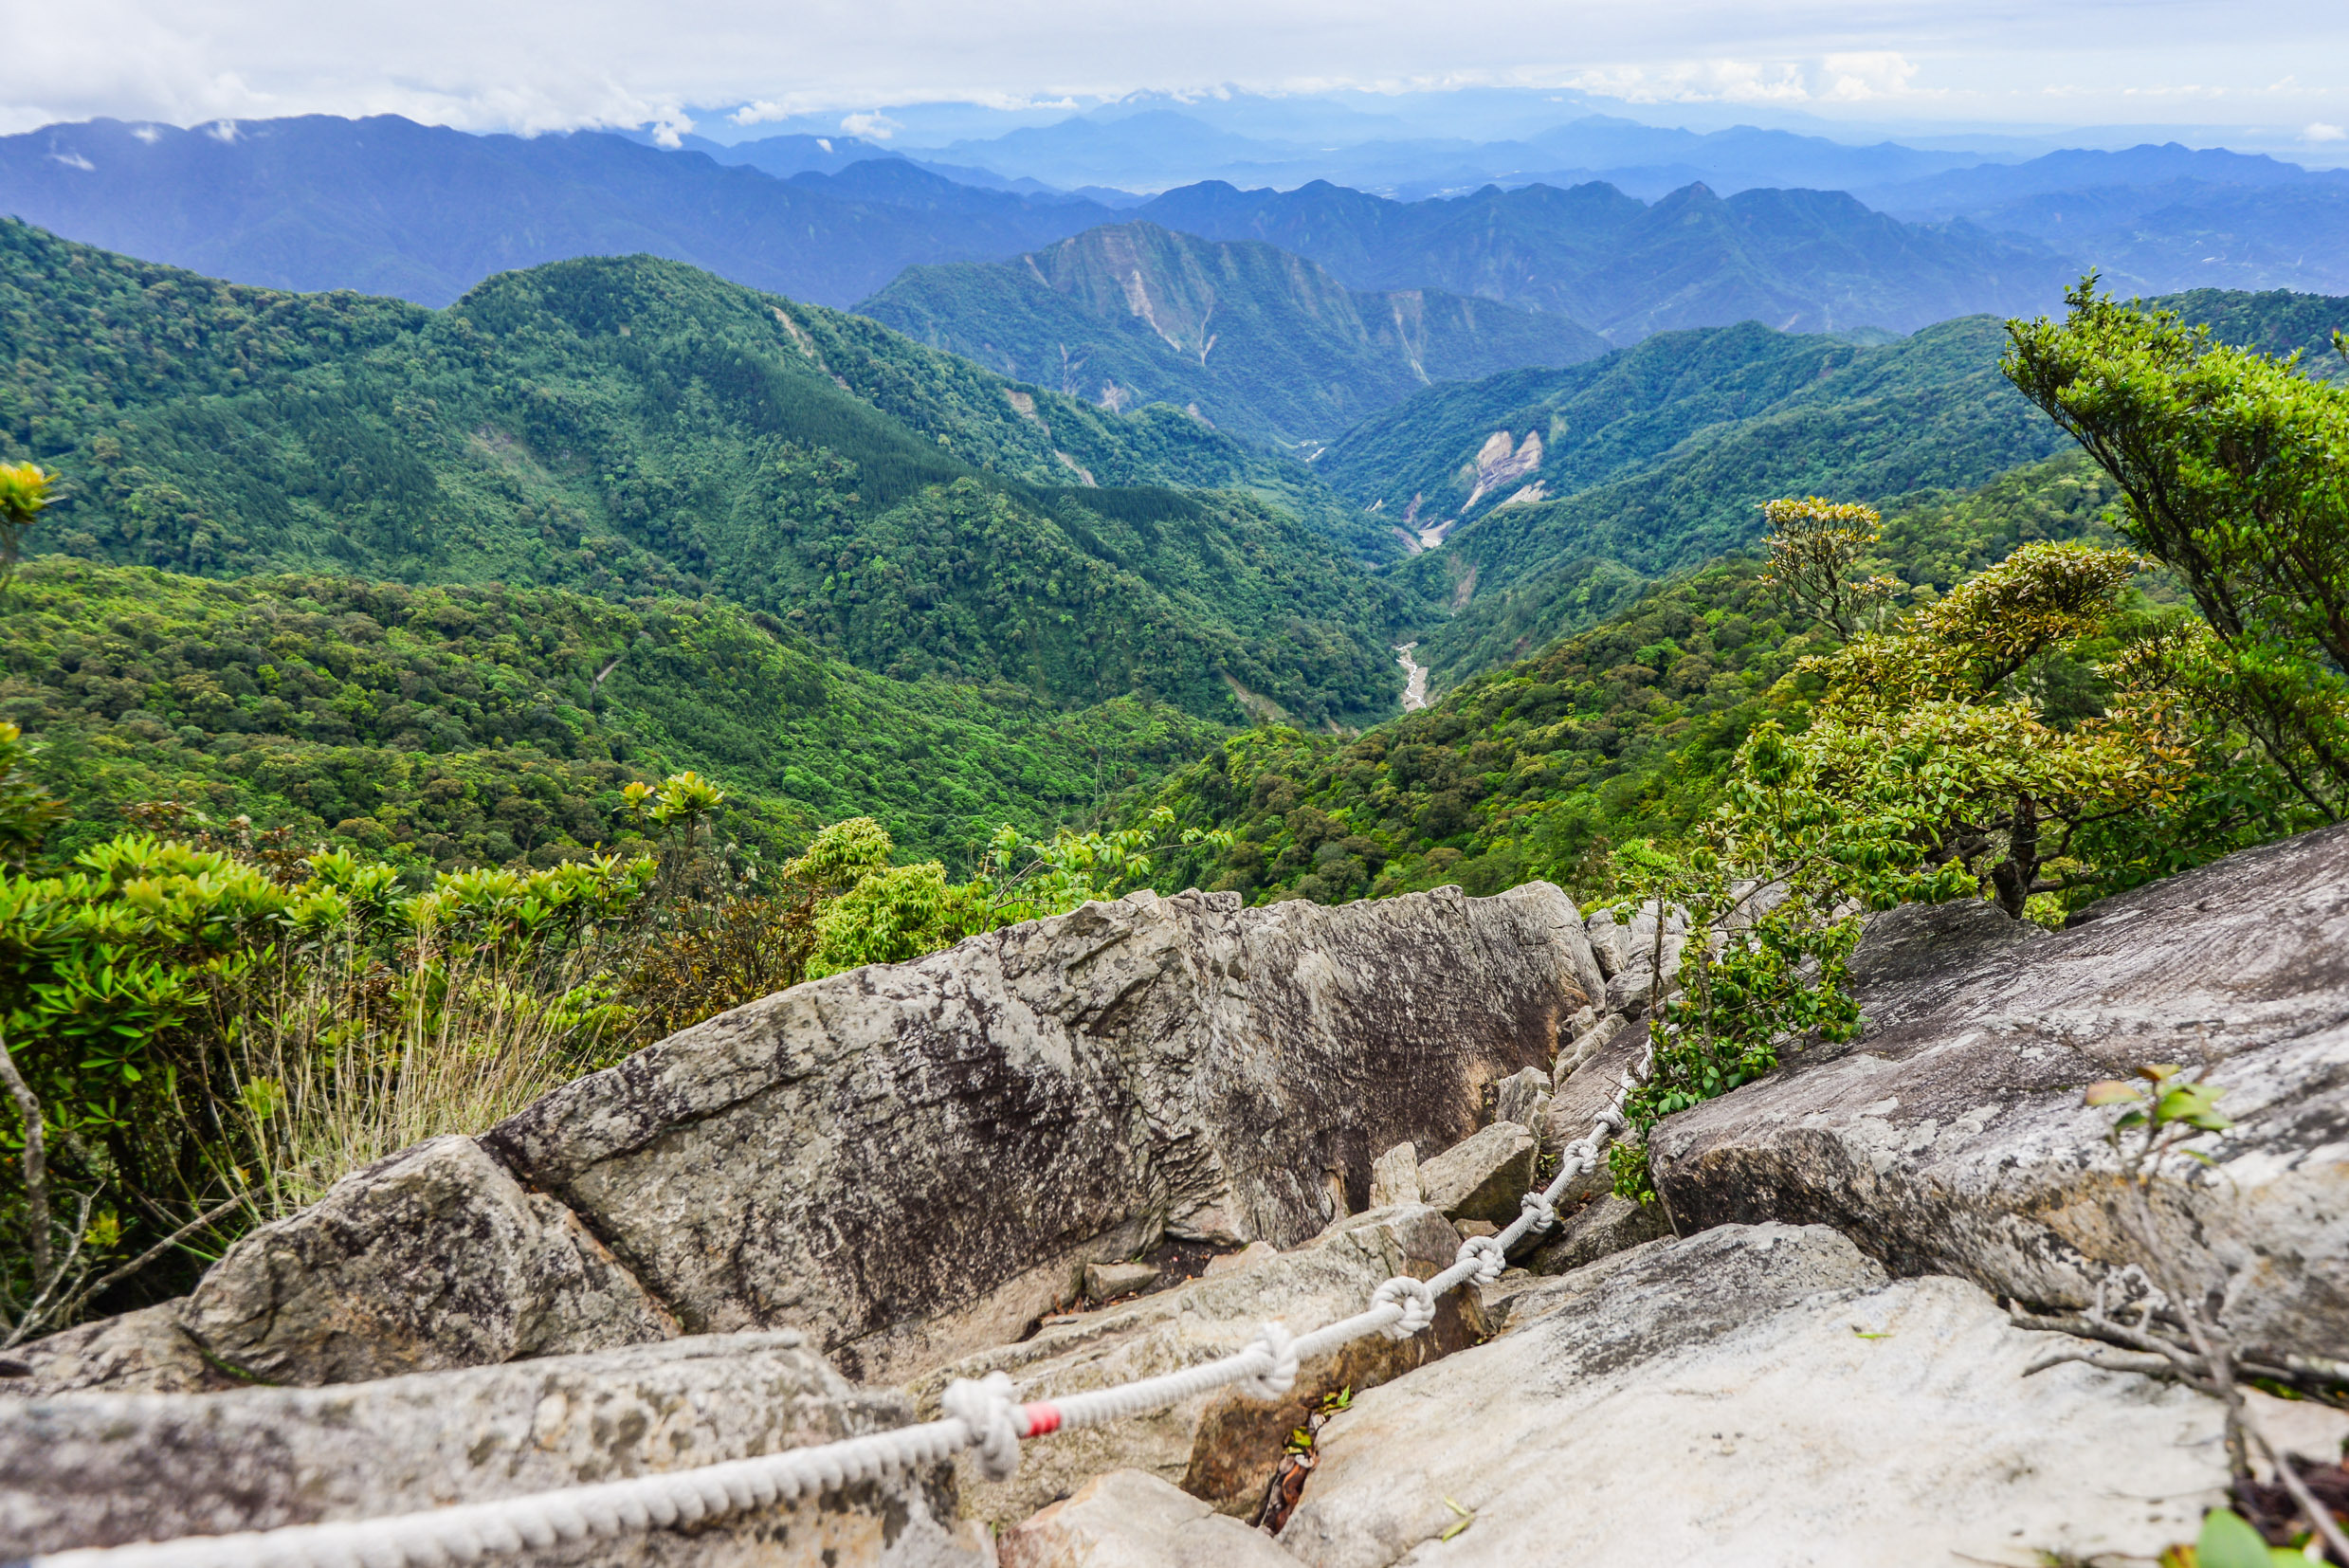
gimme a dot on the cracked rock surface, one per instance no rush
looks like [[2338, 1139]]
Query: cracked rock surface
[[1950, 1138], [1765, 1394], [908, 1162], [90, 1470]]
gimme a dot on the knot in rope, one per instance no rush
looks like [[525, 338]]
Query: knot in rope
[[1413, 1298], [987, 1413], [1279, 1349], [1611, 1116], [1485, 1252], [1543, 1212]]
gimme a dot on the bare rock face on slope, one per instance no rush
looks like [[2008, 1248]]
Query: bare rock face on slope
[[912, 1161], [1951, 1138], [100, 1469], [1764, 1394]]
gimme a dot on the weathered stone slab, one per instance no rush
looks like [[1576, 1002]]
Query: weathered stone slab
[[1131, 1519], [1106, 1282], [1395, 1177], [1523, 1098], [435, 1257], [1763, 1395], [914, 1160], [1605, 1224], [146, 1351], [89, 1469], [1951, 1138], [1481, 1178], [1219, 1447]]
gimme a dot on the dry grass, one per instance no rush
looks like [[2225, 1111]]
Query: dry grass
[[340, 1069]]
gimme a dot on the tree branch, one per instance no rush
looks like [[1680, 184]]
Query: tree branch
[[36, 1166]]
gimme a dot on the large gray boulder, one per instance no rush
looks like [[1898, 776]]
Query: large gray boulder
[[912, 1161], [100, 1469], [1763, 1395], [1950, 1138], [1484, 1177], [435, 1257], [1131, 1519], [1220, 1447]]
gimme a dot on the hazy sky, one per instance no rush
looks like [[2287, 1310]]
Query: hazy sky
[[532, 65]]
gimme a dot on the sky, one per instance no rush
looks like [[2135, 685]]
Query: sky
[[536, 65]]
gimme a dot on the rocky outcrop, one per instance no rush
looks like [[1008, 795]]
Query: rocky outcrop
[[435, 1257], [1950, 1138], [1218, 1446], [146, 1350], [913, 1161], [1481, 1178], [1765, 1394], [1131, 1519], [88, 1470]]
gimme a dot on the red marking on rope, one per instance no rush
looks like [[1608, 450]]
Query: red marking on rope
[[1042, 1417]]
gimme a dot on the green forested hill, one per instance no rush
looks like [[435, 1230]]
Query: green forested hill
[[455, 725], [1622, 731], [1258, 342], [1659, 458], [1556, 494], [632, 427]]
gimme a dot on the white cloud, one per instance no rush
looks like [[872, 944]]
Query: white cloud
[[1698, 81], [1852, 77], [872, 127], [533, 65], [2319, 131]]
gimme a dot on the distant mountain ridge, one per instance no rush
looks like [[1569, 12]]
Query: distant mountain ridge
[[386, 206], [1158, 146], [1799, 261], [2156, 218], [1250, 338]]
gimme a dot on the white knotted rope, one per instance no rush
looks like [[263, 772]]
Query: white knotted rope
[[982, 1415]]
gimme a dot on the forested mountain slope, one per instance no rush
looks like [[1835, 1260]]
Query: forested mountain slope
[[1659, 458], [633, 426], [1553, 494], [478, 725], [1256, 341], [1624, 730], [425, 213], [1801, 261]]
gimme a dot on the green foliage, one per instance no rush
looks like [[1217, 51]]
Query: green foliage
[[630, 428], [1660, 457], [141, 983], [442, 727], [887, 914], [1815, 546], [25, 491], [1921, 775], [2228, 1540], [1624, 732], [2236, 472], [27, 810]]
